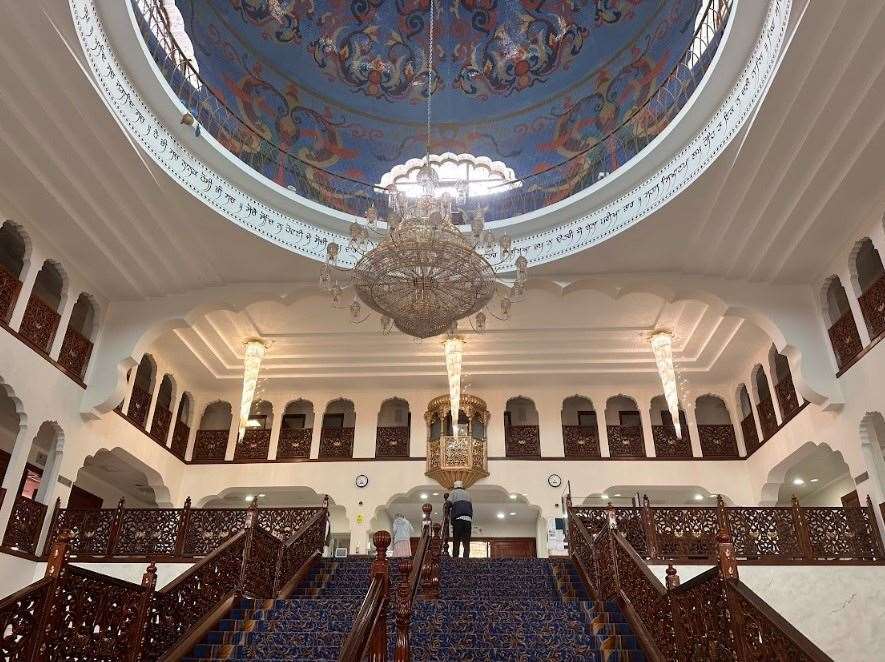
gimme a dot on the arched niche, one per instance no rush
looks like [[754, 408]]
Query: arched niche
[[869, 276], [162, 420], [13, 254], [522, 435], [764, 403], [142, 391], [296, 430], [40, 322], [663, 430], [393, 429], [112, 474], [255, 444], [715, 428], [787, 400], [210, 444], [336, 436], [77, 346], [815, 474], [10, 424], [623, 424], [580, 427], [841, 327]]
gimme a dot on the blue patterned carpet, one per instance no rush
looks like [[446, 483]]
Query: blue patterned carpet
[[530, 610]]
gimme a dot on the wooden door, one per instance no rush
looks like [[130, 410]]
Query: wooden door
[[512, 548], [851, 500]]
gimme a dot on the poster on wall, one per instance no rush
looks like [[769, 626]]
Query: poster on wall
[[556, 545]]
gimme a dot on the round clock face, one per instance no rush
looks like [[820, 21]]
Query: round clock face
[[362, 480], [554, 480]]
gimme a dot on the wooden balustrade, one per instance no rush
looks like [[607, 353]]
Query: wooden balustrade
[[39, 324], [751, 436], [25, 523], [522, 441], [667, 444], [767, 418], [786, 398], [294, 443], [167, 533], [180, 436], [625, 441], [580, 441], [160, 425], [336, 442], [139, 404], [872, 305], [845, 339], [392, 441], [711, 617], [368, 635], [76, 351], [763, 535], [10, 286], [210, 445], [411, 573], [254, 445], [718, 440]]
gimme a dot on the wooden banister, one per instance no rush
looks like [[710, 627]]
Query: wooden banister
[[368, 635]]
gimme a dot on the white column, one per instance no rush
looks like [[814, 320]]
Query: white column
[[550, 427], [64, 320], [495, 433], [17, 462], [693, 433], [417, 433], [277, 425], [645, 417], [232, 434], [196, 418], [599, 402], [158, 381], [541, 537], [757, 420], [29, 276], [774, 401], [734, 411], [854, 304], [127, 396], [50, 488], [176, 403], [367, 408]]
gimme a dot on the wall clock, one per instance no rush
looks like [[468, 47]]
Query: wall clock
[[362, 480], [553, 480]]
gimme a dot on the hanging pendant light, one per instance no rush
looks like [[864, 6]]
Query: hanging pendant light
[[662, 346], [454, 351], [253, 355]]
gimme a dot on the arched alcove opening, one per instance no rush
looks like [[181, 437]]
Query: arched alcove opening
[[40, 322], [715, 428], [580, 427], [336, 436], [210, 444], [111, 475], [841, 326], [296, 430], [393, 429], [787, 399], [142, 391], [13, 252], [255, 443], [816, 475], [10, 424], [77, 346], [870, 285], [182, 431], [162, 420], [623, 424], [764, 403], [522, 436], [663, 430]]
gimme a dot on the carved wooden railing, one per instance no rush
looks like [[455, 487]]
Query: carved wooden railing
[[845, 339], [667, 444], [25, 523], [872, 305], [210, 445], [761, 535], [160, 425], [336, 442], [76, 349], [625, 441], [294, 443], [767, 417], [166, 533], [39, 324], [255, 445], [411, 572], [522, 441], [712, 617], [718, 440], [392, 441], [751, 436], [10, 286], [368, 635], [786, 398], [180, 436], [580, 441], [139, 403]]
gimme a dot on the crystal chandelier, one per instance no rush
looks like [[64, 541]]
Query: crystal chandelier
[[662, 346], [417, 268], [454, 351], [253, 355]]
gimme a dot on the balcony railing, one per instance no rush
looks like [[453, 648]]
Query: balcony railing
[[336, 442], [522, 441], [25, 523], [625, 441], [10, 286], [719, 440], [845, 339], [254, 445], [39, 324], [75, 352], [872, 305], [667, 444], [580, 441], [392, 441], [294, 443]]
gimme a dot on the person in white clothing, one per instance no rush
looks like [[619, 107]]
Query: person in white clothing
[[402, 537]]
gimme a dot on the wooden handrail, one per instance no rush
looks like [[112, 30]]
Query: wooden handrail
[[411, 573], [196, 567], [368, 635]]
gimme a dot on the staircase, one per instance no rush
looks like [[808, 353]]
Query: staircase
[[311, 624], [517, 610]]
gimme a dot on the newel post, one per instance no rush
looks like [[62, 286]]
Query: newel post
[[801, 529], [249, 527], [139, 628], [116, 525], [672, 577], [874, 525], [50, 532], [378, 643], [728, 574], [648, 523], [56, 564], [183, 523], [403, 611]]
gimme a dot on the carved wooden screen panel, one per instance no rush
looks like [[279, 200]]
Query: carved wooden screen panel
[[19, 620], [75, 353], [160, 426], [786, 397], [10, 286], [760, 533], [295, 554], [751, 436], [146, 531], [667, 444], [872, 304], [768, 421], [392, 442], [39, 324], [294, 443], [685, 533], [625, 441], [700, 619], [285, 522], [718, 440], [91, 529], [523, 441], [209, 527], [180, 436], [594, 518], [25, 522], [139, 404], [580, 441], [841, 533], [336, 442], [254, 445], [210, 445], [845, 339], [262, 566], [630, 525]]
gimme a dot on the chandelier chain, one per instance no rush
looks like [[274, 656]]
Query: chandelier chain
[[430, 77]]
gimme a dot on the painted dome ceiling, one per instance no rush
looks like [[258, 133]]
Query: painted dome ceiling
[[341, 84]]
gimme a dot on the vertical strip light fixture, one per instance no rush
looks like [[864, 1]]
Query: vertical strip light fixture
[[254, 353], [662, 346], [454, 350]]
